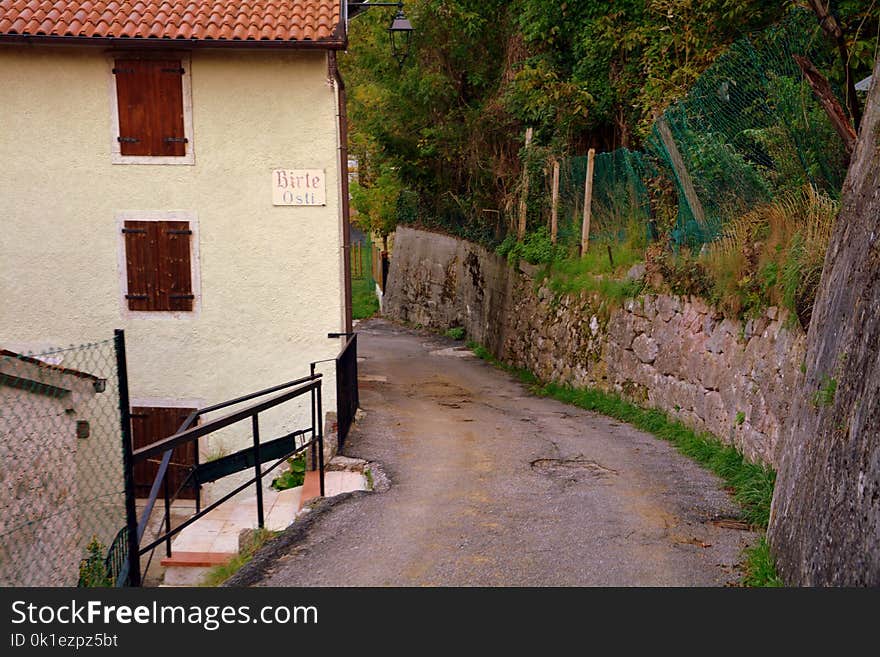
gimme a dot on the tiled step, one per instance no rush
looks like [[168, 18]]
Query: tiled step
[[197, 559], [311, 487], [213, 539], [335, 483], [190, 568]]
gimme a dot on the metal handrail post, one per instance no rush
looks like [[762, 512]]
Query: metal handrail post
[[167, 516], [320, 444], [312, 373], [255, 424], [134, 558]]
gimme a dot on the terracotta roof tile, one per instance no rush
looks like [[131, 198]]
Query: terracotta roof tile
[[279, 21]]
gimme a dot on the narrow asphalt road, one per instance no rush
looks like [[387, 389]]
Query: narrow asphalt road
[[490, 485]]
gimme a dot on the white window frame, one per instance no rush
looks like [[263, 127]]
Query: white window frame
[[194, 260], [116, 155]]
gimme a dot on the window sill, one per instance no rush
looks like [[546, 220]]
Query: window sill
[[160, 315], [188, 159]]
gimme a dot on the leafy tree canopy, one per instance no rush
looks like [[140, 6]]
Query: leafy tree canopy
[[449, 124]]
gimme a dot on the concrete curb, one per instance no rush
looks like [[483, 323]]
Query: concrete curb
[[257, 568]]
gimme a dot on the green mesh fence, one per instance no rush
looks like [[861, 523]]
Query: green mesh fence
[[62, 495], [749, 130], [620, 199]]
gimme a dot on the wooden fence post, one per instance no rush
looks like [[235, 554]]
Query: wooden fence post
[[523, 206], [588, 201], [554, 207], [681, 172]]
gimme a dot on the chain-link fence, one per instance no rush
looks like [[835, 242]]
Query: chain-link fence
[[62, 492]]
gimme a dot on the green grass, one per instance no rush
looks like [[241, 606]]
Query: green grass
[[364, 303], [456, 333], [601, 270], [596, 262], [363, 298], [598, 273], [751, 484], [219, 574], [760, 567], [523, 375]]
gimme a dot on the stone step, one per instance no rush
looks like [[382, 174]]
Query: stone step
[[191, 568], [197, 559]]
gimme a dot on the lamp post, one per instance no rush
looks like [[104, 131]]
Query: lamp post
[[400, 29]]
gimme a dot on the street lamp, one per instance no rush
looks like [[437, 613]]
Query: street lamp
[[400, 29]]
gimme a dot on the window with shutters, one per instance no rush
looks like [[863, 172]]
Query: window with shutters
[[152, 111], [158, 263]]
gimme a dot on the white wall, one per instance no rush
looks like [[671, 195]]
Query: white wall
[[270, 276]]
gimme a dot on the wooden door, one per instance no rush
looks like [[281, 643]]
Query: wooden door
[[149, 425]]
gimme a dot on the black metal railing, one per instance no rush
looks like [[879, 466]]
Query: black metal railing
[[347, 400], [278, 449], [117, 555]]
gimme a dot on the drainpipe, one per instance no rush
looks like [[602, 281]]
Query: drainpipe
[[342, 117]]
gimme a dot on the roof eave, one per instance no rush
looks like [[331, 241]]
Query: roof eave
[[337, 42]]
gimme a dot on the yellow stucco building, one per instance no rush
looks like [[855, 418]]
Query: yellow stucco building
[[176, 173]]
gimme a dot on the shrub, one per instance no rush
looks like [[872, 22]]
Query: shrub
[[294, 476], [536, 248], [93, 570]]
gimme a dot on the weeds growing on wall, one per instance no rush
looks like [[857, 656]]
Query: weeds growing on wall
[[772, 256], [295, 474], [603, 268], [536, 248]]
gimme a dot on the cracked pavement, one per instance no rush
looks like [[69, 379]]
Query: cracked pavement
[[493, 486]]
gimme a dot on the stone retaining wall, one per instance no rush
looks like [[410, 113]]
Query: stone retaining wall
[[734, 379]]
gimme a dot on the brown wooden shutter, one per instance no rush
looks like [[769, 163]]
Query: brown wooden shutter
[[142, 433], [141, 264], [149, 425], [158, 265], [150, 104], [169, 115], [175, 268]]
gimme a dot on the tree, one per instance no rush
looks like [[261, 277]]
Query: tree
[[851, 26], [376, 205], [825, 518]]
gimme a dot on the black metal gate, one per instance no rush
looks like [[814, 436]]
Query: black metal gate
[[347, 400]]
